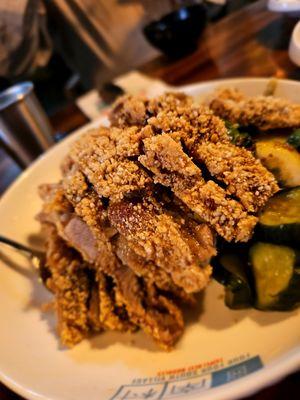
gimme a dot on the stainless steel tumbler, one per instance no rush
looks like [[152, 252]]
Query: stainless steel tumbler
[[24, 126]]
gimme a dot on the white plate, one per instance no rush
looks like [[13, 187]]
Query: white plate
[[223, 354]]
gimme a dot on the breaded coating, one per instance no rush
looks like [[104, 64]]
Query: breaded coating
[[140, 266], [200, 238], [149, 271], [70, 284], [179, 116], [129, 110], [112, 175], [195, 125], [54, 202], [127, 141], [89, 208], [104, 311], [146, 318], [94, 308], [154, 313], [245, 177], [129, 294], [132, 225], [109, 317], [78, 234], [263, 112], [155, 236], [205, 131], [173, 168], [174, 113]]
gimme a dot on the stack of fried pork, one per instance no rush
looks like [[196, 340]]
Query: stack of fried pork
[[130, 228]]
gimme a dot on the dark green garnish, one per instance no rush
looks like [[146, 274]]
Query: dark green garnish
[[294, 139], [230, 270], [242, 139]]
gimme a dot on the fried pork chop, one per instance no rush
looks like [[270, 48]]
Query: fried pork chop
[[263, 112], [155, 314], [131, 226]]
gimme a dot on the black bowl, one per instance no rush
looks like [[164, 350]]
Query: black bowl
[[176, 34]]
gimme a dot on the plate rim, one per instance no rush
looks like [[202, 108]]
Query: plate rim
[[268, 375]]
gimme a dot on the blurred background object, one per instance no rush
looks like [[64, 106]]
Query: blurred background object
[[71, 48], [294, 47], [291, 7], [24, 127], [67, 47], [25, 42], [176, 34]]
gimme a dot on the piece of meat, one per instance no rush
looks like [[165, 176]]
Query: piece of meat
[[174, 113], [94, 308], [246, 178], [129, 110], [140, 266], [201, 131], [54, 202], [70, 284], [109, 314], [149, 271], [263, 112], [104, 312], [57, 210], [80, 236], [146, 318], [90, 209], [159, 317], [200, 239], [173, 168], [155, 236], [178, 115], [112, 174]]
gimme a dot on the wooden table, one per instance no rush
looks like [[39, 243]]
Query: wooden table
[[250, 42]]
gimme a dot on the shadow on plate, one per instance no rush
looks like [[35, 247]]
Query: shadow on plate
[[36, 241], [39, 296], [138, 340], [20, 269]]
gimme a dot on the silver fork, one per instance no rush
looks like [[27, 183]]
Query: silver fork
[[37, 257]]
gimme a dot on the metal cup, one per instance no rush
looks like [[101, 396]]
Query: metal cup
[[25, 130]]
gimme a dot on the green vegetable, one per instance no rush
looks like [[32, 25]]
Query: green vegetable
[[294, 139], [238, 138], [279, 220], [276, 276], [229, 270], [281, 159]]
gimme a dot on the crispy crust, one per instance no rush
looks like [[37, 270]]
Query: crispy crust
[[155, 314], [154, 235], [128, 110], [70, 284], [205, 138], [173, 168], [263, 112], [149, 271], [131, 249], [105, 165], [245, 176], [160, 317]]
